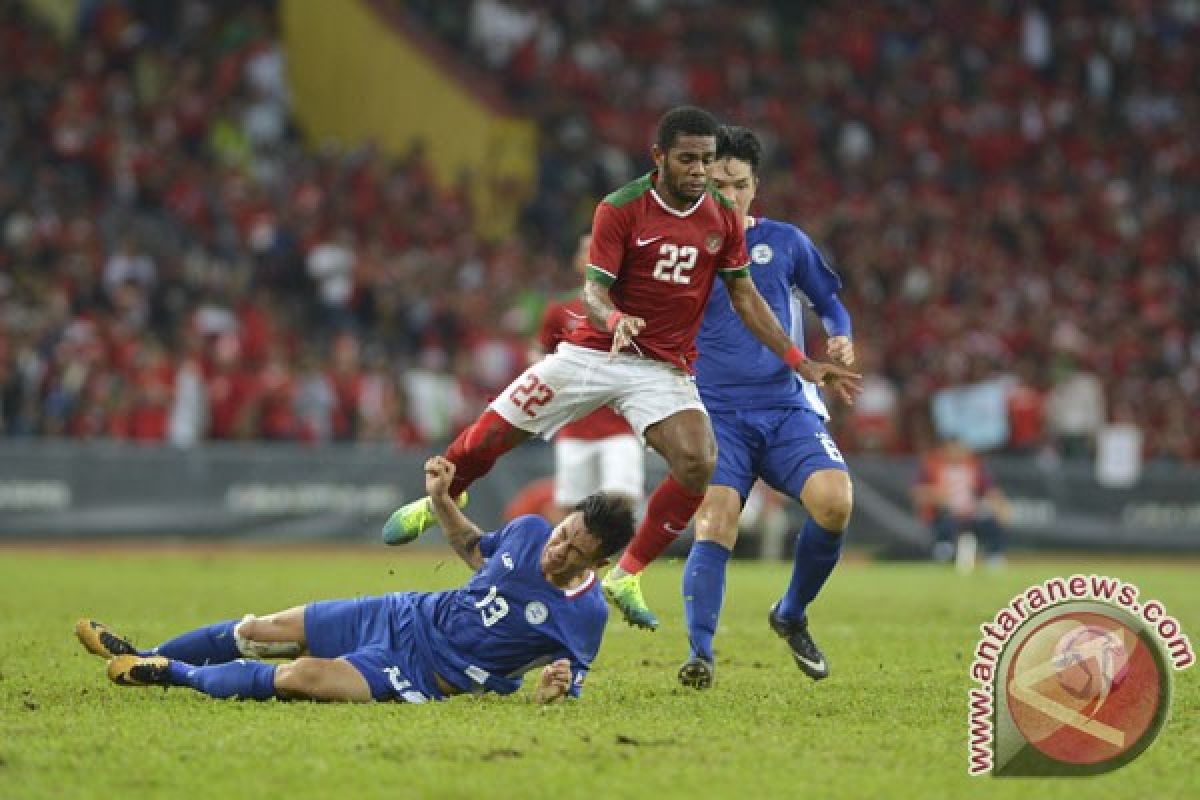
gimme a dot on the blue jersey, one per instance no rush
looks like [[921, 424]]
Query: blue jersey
[[509, 619], [735, 371]]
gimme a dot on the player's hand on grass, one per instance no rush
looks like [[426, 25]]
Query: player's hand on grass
[[438, 474], [554, 682], [840, 350], [624, 330], [846, 383]]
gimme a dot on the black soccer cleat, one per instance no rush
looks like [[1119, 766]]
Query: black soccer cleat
[[808, 656], [696, 673], [139, 671], [99, 640]]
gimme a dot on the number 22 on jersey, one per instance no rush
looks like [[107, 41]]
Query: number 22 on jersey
[[531, 393], [676, 263]]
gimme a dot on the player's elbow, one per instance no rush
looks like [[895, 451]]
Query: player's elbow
[[753, 310], [470, 555], [595, 301], [742, 297]]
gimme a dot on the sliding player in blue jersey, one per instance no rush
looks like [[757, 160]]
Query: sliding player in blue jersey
[[769, 424], [533, 601]]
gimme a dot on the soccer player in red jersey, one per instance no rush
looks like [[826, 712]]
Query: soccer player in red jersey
[[658, 244]]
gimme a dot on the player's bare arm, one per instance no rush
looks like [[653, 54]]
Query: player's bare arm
[[463, 534], [763, 323], [554, 682], [607, 317]]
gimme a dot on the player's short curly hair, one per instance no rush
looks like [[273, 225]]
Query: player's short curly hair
[[609, 517], [684, 121], [734, 141]]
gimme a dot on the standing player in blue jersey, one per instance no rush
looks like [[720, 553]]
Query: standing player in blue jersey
[[533, 601], [769, 423]]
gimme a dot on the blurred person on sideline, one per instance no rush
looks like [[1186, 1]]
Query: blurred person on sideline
[[955, 494]]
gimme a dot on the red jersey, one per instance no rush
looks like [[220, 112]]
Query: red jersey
[[560, 321], [962, 482], [535, 498], [659, 264]]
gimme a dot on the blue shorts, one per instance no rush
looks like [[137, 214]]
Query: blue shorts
[[379, 637], [783, 446]]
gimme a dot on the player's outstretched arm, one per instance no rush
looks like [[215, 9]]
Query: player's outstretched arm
[[763, 323], [607, 317], [757, 315], [461, 532]]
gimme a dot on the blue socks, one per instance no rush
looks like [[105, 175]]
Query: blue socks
[[817, 553], [245, 680], [214, 644], [703, 593]]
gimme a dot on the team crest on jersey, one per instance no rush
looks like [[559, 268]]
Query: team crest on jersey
[[536, 613], [712, 243], [761, 254]]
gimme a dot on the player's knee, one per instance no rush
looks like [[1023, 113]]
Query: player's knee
[[718, 522], [303, 677], [693, 467], [833, 519], [830, 501]]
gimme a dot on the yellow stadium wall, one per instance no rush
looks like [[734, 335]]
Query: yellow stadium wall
[[59, 14], [355, 77]]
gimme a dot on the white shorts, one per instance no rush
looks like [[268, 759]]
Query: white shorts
[[574, 381], [586, 466]]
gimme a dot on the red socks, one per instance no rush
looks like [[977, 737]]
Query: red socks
[[476, 449], [667, 515]]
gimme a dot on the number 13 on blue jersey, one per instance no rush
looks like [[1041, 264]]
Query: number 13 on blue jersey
[[493, 608]]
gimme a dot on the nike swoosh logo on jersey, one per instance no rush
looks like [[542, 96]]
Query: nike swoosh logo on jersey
[[643, 242]]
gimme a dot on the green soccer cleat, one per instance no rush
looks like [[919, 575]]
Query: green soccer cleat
[[626, 594], [409, 521]]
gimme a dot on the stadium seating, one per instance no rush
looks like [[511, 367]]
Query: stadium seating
[[1006, 191]]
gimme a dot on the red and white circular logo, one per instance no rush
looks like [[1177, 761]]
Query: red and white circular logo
[[1085, 687]]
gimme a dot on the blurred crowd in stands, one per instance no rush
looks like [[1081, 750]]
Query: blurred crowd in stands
[[177, 265], [1010, 191]]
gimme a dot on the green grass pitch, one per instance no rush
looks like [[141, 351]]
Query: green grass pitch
[[889, 722]]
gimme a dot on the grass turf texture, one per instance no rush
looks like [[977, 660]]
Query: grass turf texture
[[889, 722]]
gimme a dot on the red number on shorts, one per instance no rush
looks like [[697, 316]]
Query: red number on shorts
[[530, 394]]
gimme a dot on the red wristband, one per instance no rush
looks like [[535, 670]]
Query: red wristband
[[613, 319], [793, 357]]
